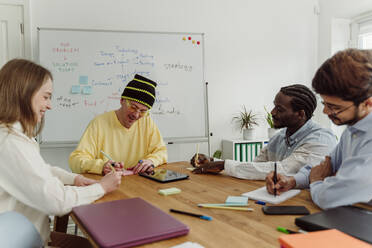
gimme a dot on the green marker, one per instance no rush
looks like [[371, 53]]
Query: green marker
[[285, 230]]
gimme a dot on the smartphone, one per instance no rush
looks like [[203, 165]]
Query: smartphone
[[285, 210]]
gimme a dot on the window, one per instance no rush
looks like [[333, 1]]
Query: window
[[365, 35]]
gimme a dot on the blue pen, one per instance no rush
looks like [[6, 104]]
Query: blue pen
[[260, 202], [204, 217]]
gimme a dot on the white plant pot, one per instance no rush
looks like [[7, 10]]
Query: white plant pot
[[248, 133], [271, 132]]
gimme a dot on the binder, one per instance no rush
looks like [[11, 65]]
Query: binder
[[237, 152], [243, 153], [127, 223], [352, 220]]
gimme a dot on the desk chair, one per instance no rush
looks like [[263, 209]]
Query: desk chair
[[17, 231]]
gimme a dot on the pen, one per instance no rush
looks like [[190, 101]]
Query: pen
[[229, 208], [285, 230], [260, 202], [275, 179], [204, 217], [109, 158]]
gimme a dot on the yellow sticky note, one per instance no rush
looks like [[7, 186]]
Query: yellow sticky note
[[169, 191]]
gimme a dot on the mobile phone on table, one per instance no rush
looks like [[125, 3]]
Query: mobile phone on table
[[285, 210]]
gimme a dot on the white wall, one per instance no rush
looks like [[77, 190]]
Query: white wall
[[252, 48], [334, 35]]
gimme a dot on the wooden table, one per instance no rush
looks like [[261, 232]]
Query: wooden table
[[229, 228]]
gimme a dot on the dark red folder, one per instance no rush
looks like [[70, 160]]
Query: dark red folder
[[127, 223]]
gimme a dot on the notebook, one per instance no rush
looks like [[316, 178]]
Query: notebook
[[261, 194], [321, 239], [348, 219], [127, 223]]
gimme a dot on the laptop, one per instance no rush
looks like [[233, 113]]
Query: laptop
[[127, 223], [352, 220]]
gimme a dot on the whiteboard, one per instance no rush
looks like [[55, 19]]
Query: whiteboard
[[91, 68]]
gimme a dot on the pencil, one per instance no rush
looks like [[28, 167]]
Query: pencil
[[197, 155], [275, 179], [223, 204], [228, 208], [109, 158]]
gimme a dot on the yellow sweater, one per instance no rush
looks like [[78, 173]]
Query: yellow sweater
[[141, 141]]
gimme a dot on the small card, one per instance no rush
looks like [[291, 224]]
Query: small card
[[190, 168], [169, 191], [127, 172], [236, 200]]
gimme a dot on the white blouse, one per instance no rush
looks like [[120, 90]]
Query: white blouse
[[32, 187]]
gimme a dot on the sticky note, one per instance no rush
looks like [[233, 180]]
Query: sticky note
[[169, 191], [127, 172], [75, 89], [83, 79], [87, 90], [237, 199]]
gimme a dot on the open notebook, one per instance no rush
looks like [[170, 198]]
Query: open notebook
[[261, 194], [127, 223]]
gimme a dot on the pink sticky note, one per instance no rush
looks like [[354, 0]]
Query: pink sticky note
[[127, 172]]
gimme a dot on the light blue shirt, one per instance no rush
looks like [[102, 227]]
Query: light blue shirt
[[319, 142], [308, 145], [352, 163]]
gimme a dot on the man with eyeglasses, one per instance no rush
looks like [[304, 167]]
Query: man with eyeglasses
[[128, 135], [344, 82]]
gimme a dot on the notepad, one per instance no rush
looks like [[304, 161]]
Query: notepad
[[321, 239], [261, 194], [169, 191], [236, 200]]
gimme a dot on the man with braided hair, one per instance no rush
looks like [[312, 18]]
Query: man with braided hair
[[344, 83], [128, 135], [300, 141]]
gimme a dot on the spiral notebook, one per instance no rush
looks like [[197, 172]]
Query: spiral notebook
[[261, 194]]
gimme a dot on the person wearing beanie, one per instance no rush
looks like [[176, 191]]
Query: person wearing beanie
[[128, 135], [300, 141]]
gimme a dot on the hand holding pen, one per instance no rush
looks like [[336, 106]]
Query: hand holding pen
[[110, 165], [284, 183]]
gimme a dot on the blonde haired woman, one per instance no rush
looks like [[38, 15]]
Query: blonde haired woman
[[28, 185]]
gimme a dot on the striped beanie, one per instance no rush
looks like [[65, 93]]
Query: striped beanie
[[141, 90]]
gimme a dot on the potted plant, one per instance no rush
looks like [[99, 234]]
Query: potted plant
[[246, 121], [269, 119]]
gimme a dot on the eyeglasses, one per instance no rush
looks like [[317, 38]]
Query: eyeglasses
[[334, 111], [134, 108]]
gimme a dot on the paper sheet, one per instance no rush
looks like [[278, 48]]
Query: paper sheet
[[261, 194]]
